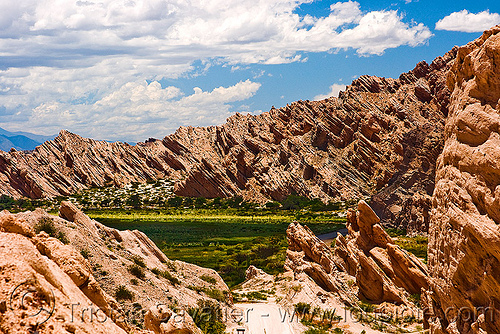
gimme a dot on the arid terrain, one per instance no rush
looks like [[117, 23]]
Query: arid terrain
[[415, 156]]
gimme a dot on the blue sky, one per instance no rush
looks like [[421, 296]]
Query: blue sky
[[133, 69]]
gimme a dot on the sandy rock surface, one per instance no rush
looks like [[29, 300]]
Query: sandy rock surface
[[85, 272], [464, 235]]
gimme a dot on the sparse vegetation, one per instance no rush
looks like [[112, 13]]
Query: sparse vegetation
[[416, 245], [252, 295], [85, 253], [208, 317], [172, 279], [208, 279], [302, 308], [138, 261], [46, 225], [137, 271], [122, 293]]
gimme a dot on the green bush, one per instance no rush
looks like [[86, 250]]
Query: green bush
[[137, 271], [46, 225], [215, 294], [208, 279], [315, 331], [122, 293], [302, 308], [138, 261], [165, 274], [85, 253], [174, 201], [208, 317]]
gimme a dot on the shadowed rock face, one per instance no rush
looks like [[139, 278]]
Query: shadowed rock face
[[380, 136], [464, 235]]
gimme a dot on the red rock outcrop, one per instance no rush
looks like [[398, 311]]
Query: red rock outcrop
[[380, 136], [381, 270], [464, 234]]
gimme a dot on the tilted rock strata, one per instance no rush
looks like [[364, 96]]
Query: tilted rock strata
[[383, 272], [49, 265], [70, 163], [379, 133], [464, 234]]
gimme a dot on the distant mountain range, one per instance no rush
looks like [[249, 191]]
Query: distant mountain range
[[21, 141]]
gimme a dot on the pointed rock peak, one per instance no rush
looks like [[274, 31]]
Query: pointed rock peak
[[65, 135], [366, 215]]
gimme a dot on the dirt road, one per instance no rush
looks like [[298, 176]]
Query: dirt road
[[267, 318]]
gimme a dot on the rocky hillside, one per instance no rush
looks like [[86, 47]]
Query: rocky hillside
[[464, 234], [381, 136], [72, 274]]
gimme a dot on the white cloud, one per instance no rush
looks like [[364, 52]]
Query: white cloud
[[465, 21], [72, 58], [334, 92], [139, 110]]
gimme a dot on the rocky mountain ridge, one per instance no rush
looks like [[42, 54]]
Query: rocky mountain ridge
[[381, 136]]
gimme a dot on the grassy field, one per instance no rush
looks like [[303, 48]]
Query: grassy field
[[227, 240]]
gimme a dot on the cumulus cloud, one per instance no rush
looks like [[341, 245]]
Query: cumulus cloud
[[334, 92], [465, 21], [78, 58], [139, 110]]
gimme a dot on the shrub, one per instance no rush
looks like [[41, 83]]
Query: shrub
[[208, 317], [367, 307], [256, 295], [175, 201], [47, 225], [138, 261], [85, 253], [165, 274], [122, 293], [216, 294], [302, 308], [315, 331], [137, 271], [134, 281], [208, 279]]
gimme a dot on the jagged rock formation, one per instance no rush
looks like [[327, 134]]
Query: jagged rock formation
[[70, 163], [464, 234], [382, 271], [57, 275], [379, 135]]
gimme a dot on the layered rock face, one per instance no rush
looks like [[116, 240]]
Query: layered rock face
[[379, 135], [464, 235], [76, 294], [382, 271], [70, 163]]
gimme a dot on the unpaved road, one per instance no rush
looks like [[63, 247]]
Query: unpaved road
[[329, 237], [267, 318]]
